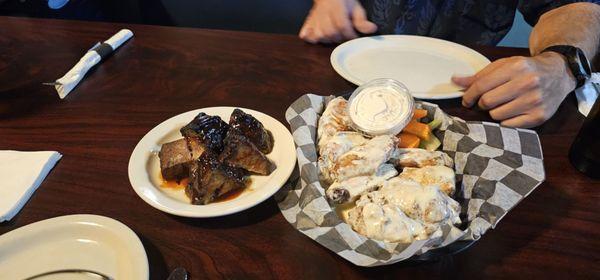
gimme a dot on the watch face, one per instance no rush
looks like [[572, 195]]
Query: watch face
[[583, 64]]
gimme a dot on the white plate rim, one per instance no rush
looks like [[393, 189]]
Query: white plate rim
[[121, 230], [337, 65], [190, 210]]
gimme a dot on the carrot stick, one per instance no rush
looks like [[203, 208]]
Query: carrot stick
[[419, 114], [408, 140], [421, 130]]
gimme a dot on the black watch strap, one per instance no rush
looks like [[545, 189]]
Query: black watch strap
[[576, 60]]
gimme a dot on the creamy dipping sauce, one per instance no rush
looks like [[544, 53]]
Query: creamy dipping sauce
[[381, 106]]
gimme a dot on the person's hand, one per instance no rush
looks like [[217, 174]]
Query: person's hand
[[520, 91], [334, 21]]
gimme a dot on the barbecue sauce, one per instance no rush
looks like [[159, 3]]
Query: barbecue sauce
[[172, 184], [229, 195], [168, 184], [234, 193]]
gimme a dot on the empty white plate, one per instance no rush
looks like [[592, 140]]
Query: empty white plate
[[144, 167], [425, 65], [88, 242]]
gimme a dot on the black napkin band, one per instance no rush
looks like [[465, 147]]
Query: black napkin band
[[103, 50]]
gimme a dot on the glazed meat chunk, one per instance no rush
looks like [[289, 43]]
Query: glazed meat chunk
[[250, 127], [241, 153], [207, 131], [209, 179]]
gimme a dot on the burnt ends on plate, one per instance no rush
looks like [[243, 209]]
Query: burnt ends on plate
[[253, 129], [216, 156]]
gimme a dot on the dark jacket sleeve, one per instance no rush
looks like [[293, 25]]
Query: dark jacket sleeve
[[532, 10]]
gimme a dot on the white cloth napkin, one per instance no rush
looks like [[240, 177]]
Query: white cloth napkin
[[21, 173], [587, 95]]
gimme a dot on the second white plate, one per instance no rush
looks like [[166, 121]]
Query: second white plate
[[425, 65], [144, 168], [87, 242]]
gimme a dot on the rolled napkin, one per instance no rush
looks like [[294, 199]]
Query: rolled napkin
[[586, 95], [22, 173], [69, 81]]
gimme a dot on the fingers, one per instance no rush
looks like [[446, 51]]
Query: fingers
[[512, 108], [333, 21], [307, 34], [327, 23], [464, 82], [485, 81], [330, 31], [500, 95], [491, 67], [360, 21], [344, 26], [316, 34], [525, 121], [519, 91], [467, 81]]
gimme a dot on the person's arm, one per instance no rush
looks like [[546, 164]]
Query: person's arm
[[576, 24], [334, 21], [527, 91]]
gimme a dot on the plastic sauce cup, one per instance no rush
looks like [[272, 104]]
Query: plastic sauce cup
[[381, 106]]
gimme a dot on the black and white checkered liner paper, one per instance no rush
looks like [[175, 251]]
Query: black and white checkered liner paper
[[497, 167]]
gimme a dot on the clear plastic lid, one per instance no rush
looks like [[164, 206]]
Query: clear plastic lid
[[381, 106]]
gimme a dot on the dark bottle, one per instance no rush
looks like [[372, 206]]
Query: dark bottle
[[585, 150]]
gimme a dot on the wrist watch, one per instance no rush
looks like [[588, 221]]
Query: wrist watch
[[578, 63]]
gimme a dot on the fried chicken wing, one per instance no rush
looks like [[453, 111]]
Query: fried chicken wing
[[425, 203], [414, 157], [384, 222], [440, 176], [402, 211], [334, 119], [337, 145], [364, 160], [350, 189]]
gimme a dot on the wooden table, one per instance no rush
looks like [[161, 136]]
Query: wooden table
[[164, 71]]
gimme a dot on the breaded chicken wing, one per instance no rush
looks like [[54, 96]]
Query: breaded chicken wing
[[402, 211], [334, 119], [440, 176], [385, 222], [425, 203], [414, 157], [350, 189], [338, 144], [364, 160]]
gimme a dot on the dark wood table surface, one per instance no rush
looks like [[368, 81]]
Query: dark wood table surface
[[164, 71]]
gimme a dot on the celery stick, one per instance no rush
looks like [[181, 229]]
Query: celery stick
[[432, 144], [434, 124]]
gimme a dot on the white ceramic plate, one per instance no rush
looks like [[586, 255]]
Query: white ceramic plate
[[144, 168], [425, 65], [89, 242]]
